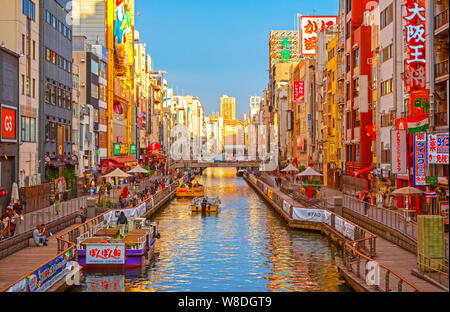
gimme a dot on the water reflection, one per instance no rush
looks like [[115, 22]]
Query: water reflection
[[246, 247]]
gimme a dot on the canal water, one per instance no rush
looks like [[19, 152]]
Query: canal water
[[245, 248]]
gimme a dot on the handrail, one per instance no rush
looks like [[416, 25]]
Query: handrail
[[354, 247], [61, 241]]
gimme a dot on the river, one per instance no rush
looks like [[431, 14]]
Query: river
[[245, 248]]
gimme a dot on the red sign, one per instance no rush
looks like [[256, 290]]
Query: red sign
[[299, 91], [8, 124], [419, 103], [415, 62], [105, 254]]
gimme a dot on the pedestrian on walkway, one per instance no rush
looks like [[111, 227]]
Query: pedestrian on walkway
[[366, 200], [39, 239]]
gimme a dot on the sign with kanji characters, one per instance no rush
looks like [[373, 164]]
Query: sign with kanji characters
[[438, 149], [116, 151], [105, 254], [133, 149], [399, 163], [283, 47], [299, 91], [420, 159], [8, 124], [415, 63], [310, 27]]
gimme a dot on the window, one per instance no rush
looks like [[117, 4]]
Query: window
[[34, 88], [48, 92], [65, 31], [28, 129], [94, 91], [48, 55], [23, 44], [386, 87], [356, 87], [54, 21], [357, 158], [357, 119], [387, 120], [348, 6], [34, 50], [60, 26], [94, 67], [347, 62], [356, 57], [386, 16], [23, 84], [53, 57], [347, 30], [349, 153], [348, 120], [48, 17], [347, 91], [29, 9], [54, 94], [69, 34], [386, 53]]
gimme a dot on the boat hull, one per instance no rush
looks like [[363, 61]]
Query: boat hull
[[212, 208], [194, 192]]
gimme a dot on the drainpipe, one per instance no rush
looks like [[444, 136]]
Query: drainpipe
[[431, 60]]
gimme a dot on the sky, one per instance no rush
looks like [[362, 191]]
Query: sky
[[213, 47]]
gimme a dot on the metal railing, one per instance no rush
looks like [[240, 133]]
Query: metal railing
[[359, 252], [441, 19], [435, 268]]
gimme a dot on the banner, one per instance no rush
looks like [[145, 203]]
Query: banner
[[339, 224], [349, 230], [299, 91], [105, 253], [418, 124], [399, 162], [46, 276], [313, 215], [286, 207], [21, 286], [327, 217], [438, 149], [420, 159]]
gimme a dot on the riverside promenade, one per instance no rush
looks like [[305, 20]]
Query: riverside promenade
[[394, 260], [17, 266]]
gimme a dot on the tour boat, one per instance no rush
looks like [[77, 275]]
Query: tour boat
[[105, 248], [190, 192], [212, 204]]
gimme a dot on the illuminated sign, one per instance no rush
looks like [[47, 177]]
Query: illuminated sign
[[8, 123], [420, 159], [133, 149], [105, 254], [438, 149], [283, 47], [310, 27], [299, 91]]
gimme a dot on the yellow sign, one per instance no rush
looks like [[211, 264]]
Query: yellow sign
[[124, 149]]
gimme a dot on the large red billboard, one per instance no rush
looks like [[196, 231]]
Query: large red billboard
[[8, 123]]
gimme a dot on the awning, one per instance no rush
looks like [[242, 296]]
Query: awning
[[120, 162], [361, 171]]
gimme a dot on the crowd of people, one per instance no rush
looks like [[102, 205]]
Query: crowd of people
[[131, 199]]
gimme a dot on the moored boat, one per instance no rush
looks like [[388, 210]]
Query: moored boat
[[196, 190], [105, 247], [205, 204]]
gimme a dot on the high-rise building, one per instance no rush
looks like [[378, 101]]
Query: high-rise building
[[228, 107], [255, 107], [55, 84], [19, 24]]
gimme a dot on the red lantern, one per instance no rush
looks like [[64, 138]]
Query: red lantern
[[3, 192]]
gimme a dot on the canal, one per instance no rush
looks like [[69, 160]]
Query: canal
[[245, 248]]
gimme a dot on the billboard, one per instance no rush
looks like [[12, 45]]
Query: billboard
[[399, 163], [420, 159], [438, 149], [310, 27], [8, 124], [105, 254], [283, 45]]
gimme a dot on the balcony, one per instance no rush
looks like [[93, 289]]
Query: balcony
[[441, 119], [441, 23], [441, 71]]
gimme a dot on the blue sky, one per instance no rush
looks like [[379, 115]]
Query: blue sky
[[216, 47]]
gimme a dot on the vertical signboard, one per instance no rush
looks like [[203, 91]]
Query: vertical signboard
[[283, 47], [420, 159], [310, 26], [415, 65], [299, 91], [438, 149], [398, 152]]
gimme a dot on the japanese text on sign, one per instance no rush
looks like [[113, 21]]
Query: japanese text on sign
[[105, 254], [438, 149], [420, 159], [310, 27]]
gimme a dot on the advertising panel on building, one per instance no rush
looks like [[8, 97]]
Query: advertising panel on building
[[310, 27]]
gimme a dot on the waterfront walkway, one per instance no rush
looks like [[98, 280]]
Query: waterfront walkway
[[392, 256], [27, 260]]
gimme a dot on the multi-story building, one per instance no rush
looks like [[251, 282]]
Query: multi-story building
[[358, 108], [55, 84], [76, 93], [228, 107], [255, 108], [214, 134], [9, 129], [19, 21]]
